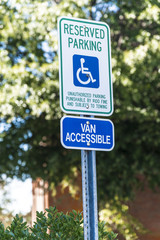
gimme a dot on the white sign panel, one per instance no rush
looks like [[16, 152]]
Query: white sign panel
[[85, 67]]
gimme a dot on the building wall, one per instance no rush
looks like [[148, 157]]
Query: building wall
[[145, 207], [63, 199], [40, 197]]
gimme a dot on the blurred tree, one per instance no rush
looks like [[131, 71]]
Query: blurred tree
[[29, 97], [135, 56]]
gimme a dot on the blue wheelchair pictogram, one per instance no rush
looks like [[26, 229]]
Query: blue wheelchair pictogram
[[85, 71]]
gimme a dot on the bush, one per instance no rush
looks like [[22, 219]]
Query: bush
[[51, 226]]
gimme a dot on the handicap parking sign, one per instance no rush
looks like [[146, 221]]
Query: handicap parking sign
[[85, 71]]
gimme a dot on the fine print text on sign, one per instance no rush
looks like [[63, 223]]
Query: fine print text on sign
[[87, 133], [85, 67]]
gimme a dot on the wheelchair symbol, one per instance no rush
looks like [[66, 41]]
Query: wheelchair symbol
[[86, 71]]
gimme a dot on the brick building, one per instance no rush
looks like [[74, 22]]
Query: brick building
[[63, 200], [146, 206]]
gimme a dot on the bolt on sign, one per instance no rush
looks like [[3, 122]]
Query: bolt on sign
[[85, 67]]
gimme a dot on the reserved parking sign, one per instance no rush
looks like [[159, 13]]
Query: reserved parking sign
[[85, 67]]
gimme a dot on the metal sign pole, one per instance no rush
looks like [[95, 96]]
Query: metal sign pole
[[89, 191]]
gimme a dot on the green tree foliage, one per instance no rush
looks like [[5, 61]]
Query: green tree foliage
[[29, 101], [135, 45], [118, 219], [29, 97], [54, 225]]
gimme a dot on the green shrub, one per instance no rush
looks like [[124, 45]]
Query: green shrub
[[52, 225]]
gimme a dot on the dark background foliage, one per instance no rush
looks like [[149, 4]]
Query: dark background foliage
[[29, 95]]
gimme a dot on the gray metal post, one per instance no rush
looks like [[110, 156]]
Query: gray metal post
[[89, 191]]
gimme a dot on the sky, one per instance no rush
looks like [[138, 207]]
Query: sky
[[20, 194]]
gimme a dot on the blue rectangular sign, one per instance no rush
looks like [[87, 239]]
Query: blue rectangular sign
[[87, 133]]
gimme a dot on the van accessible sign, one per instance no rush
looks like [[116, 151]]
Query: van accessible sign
[[85, 67], [87, 133]]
